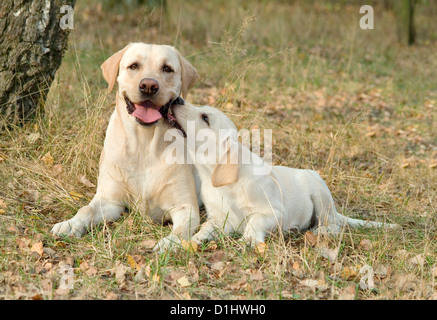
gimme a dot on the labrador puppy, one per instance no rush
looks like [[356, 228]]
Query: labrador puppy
[[132, 168], [244, 194]]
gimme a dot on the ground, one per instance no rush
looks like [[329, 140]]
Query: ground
[[352, 104]]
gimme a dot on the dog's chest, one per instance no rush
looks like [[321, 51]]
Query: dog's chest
[[143, 178]]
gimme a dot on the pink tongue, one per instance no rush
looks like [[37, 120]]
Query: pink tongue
[[147, 112]]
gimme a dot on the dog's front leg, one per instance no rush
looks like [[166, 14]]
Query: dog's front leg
[[217, 222], [259, 225], [185, 220], [99, 210]]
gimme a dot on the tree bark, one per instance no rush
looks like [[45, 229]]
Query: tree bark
[[32, 43]]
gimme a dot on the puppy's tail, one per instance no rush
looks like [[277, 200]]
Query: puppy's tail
[[356, 223], [325, 211]]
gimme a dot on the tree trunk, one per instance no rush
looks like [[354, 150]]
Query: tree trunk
[[33, 38], [404, 10]]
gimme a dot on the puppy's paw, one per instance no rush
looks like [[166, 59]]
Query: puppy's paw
[[204, 235], [250, 237], [199, 239], [167, 243], [73, 227]]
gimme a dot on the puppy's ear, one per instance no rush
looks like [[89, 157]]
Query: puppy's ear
[[110, 67], [227, 170], [189, 75]]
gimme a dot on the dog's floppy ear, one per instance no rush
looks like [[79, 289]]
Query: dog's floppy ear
[[189, 75], [227, 170], [110, 67]]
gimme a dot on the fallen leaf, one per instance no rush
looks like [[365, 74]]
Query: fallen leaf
[[31, 138], [57, 169], [139, 277], [297, 270], [405, 282], [417, 260], [29, 195], [76, 196], [349, 273], [112, 296], [84, 266], [217, 266], [61, 244], [186, 295], [365, 244], [211, 246], [296, 266], [149, 244], [86, 182], [147, 270], [330, 254], [401, 254], [184, 282], [310, 238], [3, 204], [13, 229], [190, 246], [260, 248], [47, 159], [155, 278], [434, 272], [38, 248], [91, 272], [371, 134], [120, 274], [216, 256], [37, 296], [257, 276], [381, 271], [133, 264], [87, 269], [347, 293], [23, 244], [311, 283], [239, 284], [2, 211]]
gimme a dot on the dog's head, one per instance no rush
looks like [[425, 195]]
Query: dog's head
[[213, 131], [150, 77]]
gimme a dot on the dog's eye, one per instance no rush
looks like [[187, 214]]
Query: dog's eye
[[167, 69], [133, 66], [205, 118]]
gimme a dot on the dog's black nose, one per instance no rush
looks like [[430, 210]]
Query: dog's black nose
[[149, 86]]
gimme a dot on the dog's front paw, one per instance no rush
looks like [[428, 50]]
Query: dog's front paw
[[199, 238], [252, 237], [204, 235], [73, 227], [167, 243]]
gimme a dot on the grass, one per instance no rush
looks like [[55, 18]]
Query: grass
[[352, 104]]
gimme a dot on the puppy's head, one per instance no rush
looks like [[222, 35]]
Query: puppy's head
[[211, 126], [149, 78]]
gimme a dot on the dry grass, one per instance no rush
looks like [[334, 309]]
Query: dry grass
[[351, 104]]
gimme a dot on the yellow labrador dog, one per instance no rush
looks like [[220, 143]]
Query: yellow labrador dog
[[132, 169], [246, 194]]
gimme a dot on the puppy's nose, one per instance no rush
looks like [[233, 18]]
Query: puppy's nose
[[149, 86]]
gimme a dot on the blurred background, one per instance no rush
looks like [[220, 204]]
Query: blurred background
[[256, 52]]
